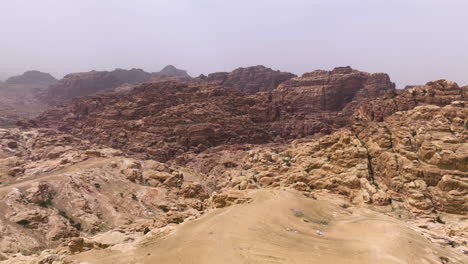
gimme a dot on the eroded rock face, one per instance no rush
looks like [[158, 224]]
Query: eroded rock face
[[89, 83], [417, 156], [67, 187], [18, 97], [250, 80], [423, 154], [86, 83], [440, 93], [166, 119], [59, 189]]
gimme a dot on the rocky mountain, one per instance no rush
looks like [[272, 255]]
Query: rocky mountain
[[175, 117], [170, 70], [86, 83], [334, 160], [89, 83], [32, 77], [18, 96], [250, 80]]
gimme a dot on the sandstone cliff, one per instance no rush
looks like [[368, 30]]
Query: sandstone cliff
[[93, 178], [250, 80], [174, 117]]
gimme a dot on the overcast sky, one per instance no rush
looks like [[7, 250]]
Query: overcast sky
[[415, 41]]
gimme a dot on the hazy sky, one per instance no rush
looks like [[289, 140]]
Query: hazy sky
[[415, 41]]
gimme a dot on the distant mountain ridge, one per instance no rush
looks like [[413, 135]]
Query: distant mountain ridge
[[32, 77], [88, 83]]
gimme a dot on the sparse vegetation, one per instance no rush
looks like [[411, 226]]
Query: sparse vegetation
[[146, 231], [45, 204], [230, 164], [287, 162], [444, 259], [72, 222], [439, 220], [323, 222], [388, 130], [23, 222]]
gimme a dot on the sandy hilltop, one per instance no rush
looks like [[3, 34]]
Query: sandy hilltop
[[250, 166]]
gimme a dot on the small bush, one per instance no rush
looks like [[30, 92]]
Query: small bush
[[72, 222], [444, 260], [63, 214], [230, 164], [146, 231], [439, 220], [45, 204], [23, 222]]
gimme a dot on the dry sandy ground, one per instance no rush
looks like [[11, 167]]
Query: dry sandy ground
[[271, 229]]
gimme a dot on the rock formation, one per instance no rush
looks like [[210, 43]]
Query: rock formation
[[174, 117], [115, 168], [171, 71], [18, 97], [86, 83], [250, 80], [89, 83], [32, 77], [438, 93]]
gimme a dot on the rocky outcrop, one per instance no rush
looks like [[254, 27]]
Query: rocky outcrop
[[165, 119], [80, 84], [440, 93], [32, 77], [422, 154], [171, 71], [19, 101], [250, 80], [415, 157], [102, 179], [89, 83], [67, 187]]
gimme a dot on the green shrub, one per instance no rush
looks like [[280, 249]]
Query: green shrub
[[23, 222], [45, 204], [439, 220], [230, 164], [444, 260]]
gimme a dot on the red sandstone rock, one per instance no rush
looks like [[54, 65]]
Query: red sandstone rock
[[165, 119]]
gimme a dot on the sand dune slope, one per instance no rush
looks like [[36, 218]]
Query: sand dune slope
[[281, 226]]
